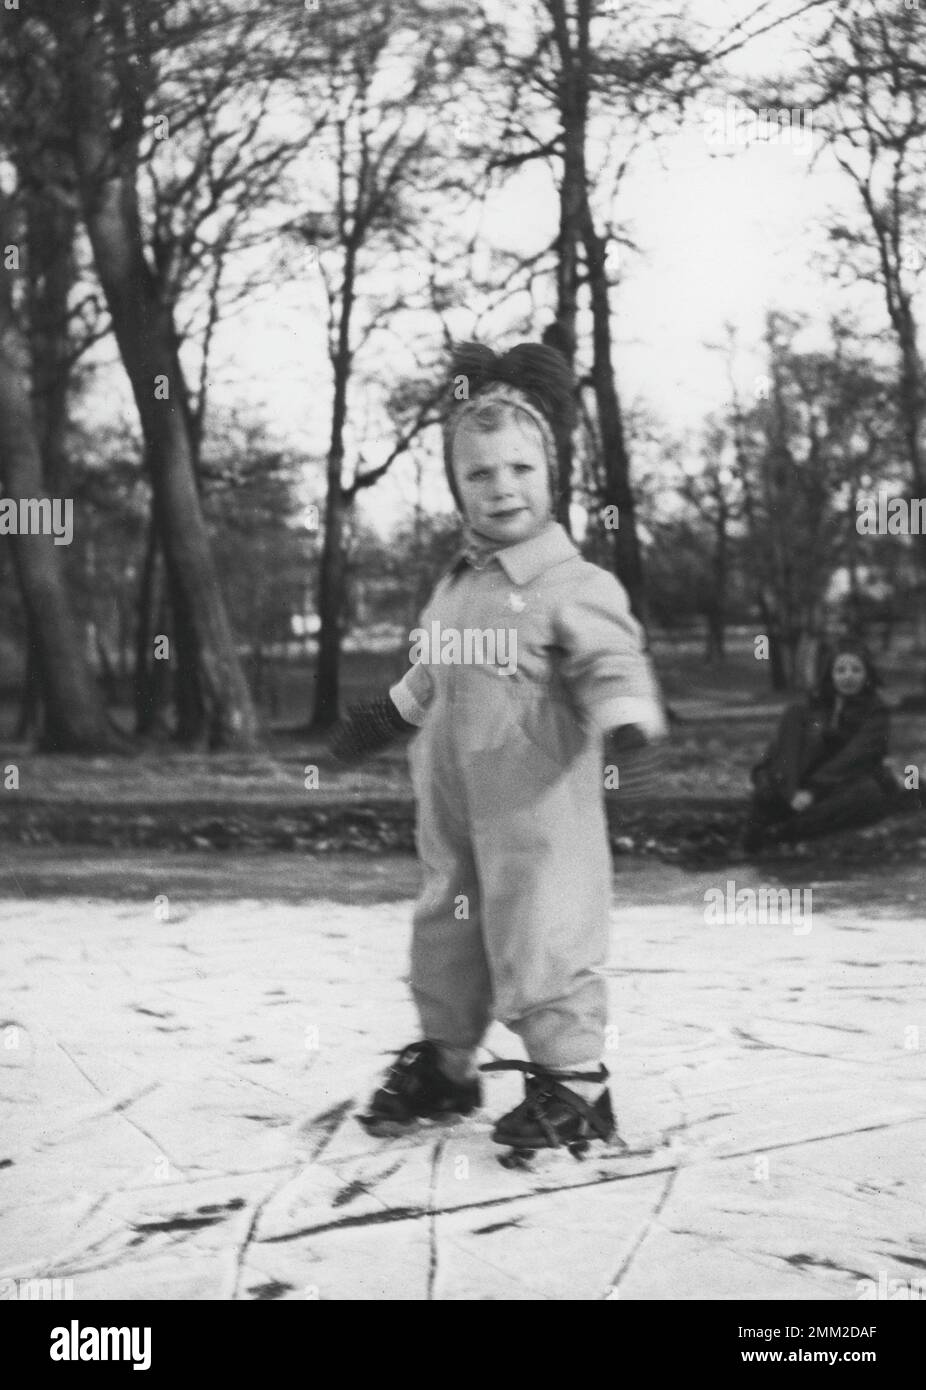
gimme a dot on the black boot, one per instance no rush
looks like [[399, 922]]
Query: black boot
[[415, 1088], [551, 1115]]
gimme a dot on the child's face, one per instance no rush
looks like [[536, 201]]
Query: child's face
[[848, 673], [503, 482]]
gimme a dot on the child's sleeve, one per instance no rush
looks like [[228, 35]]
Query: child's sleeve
[[604, 663], [412, 694]]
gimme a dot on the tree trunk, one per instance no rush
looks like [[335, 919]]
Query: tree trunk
[[332, 586], [778, 669], [74, 716], [721, 568], [714, 636], [190, 697], [628, 562], [109, 676], [331, 591], [912, 402], [152, 677], [575, 226], [572, 102], [31, 708], [807, 658], [50, 227], [146, 337]]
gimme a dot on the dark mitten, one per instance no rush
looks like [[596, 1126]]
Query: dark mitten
[[633, 765], [367, 729]]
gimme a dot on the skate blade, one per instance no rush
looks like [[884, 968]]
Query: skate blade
[[577, 1150], [527, 1158], [382, 1128]]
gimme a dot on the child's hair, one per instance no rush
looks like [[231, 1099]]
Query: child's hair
[[488, 415], [529, 383]]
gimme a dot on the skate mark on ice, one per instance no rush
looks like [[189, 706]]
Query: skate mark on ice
[[815, 1023], [263, 1293], [357, 1187], [436, 1156], [802, 1260], [73, 1261], [119, 1107], [175, 1228], [650, 1221], [904, 1259], [762, 1045], [324, 1127], [210, 1215], [480, 1257], [418, 1213], [497, 1226], [680, 1127], [250, 1232], [328, 1122], [64, 1263], [239, 1077]]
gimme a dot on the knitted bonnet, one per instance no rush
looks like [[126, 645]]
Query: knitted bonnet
[[531, 378]]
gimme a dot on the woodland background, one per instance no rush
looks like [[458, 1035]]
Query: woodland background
[[163, 162]]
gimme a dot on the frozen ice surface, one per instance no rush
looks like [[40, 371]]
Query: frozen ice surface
[[177, 1107]]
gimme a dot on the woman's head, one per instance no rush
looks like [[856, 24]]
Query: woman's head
[[500, 449], [849, 671]]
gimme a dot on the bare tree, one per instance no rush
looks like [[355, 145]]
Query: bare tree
[[215, 158], [713, 494], [74, 720], [801, 450], [106, 63], [567, 71], [44, 336], [384, 160], [867, 91]]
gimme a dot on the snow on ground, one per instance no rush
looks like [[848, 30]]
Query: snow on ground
[[176, 1105]]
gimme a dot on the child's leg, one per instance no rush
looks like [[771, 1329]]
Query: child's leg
[[545, 871], [449, 971]]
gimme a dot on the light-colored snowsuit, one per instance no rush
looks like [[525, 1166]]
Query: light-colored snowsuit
[[512, 922]]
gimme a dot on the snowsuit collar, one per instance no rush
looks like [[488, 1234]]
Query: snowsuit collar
[[524, 561]]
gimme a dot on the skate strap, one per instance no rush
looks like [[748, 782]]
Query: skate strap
[[548, 1073], [554, 1080]]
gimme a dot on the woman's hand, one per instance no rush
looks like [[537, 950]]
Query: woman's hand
[[801, 800]]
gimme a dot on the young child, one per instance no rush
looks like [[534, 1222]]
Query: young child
[[507, 764]]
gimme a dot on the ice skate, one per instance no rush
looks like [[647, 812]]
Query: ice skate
[[415, 1089], [551, 1116]]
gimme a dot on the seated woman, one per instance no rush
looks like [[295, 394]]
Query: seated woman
[[825, 770]]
